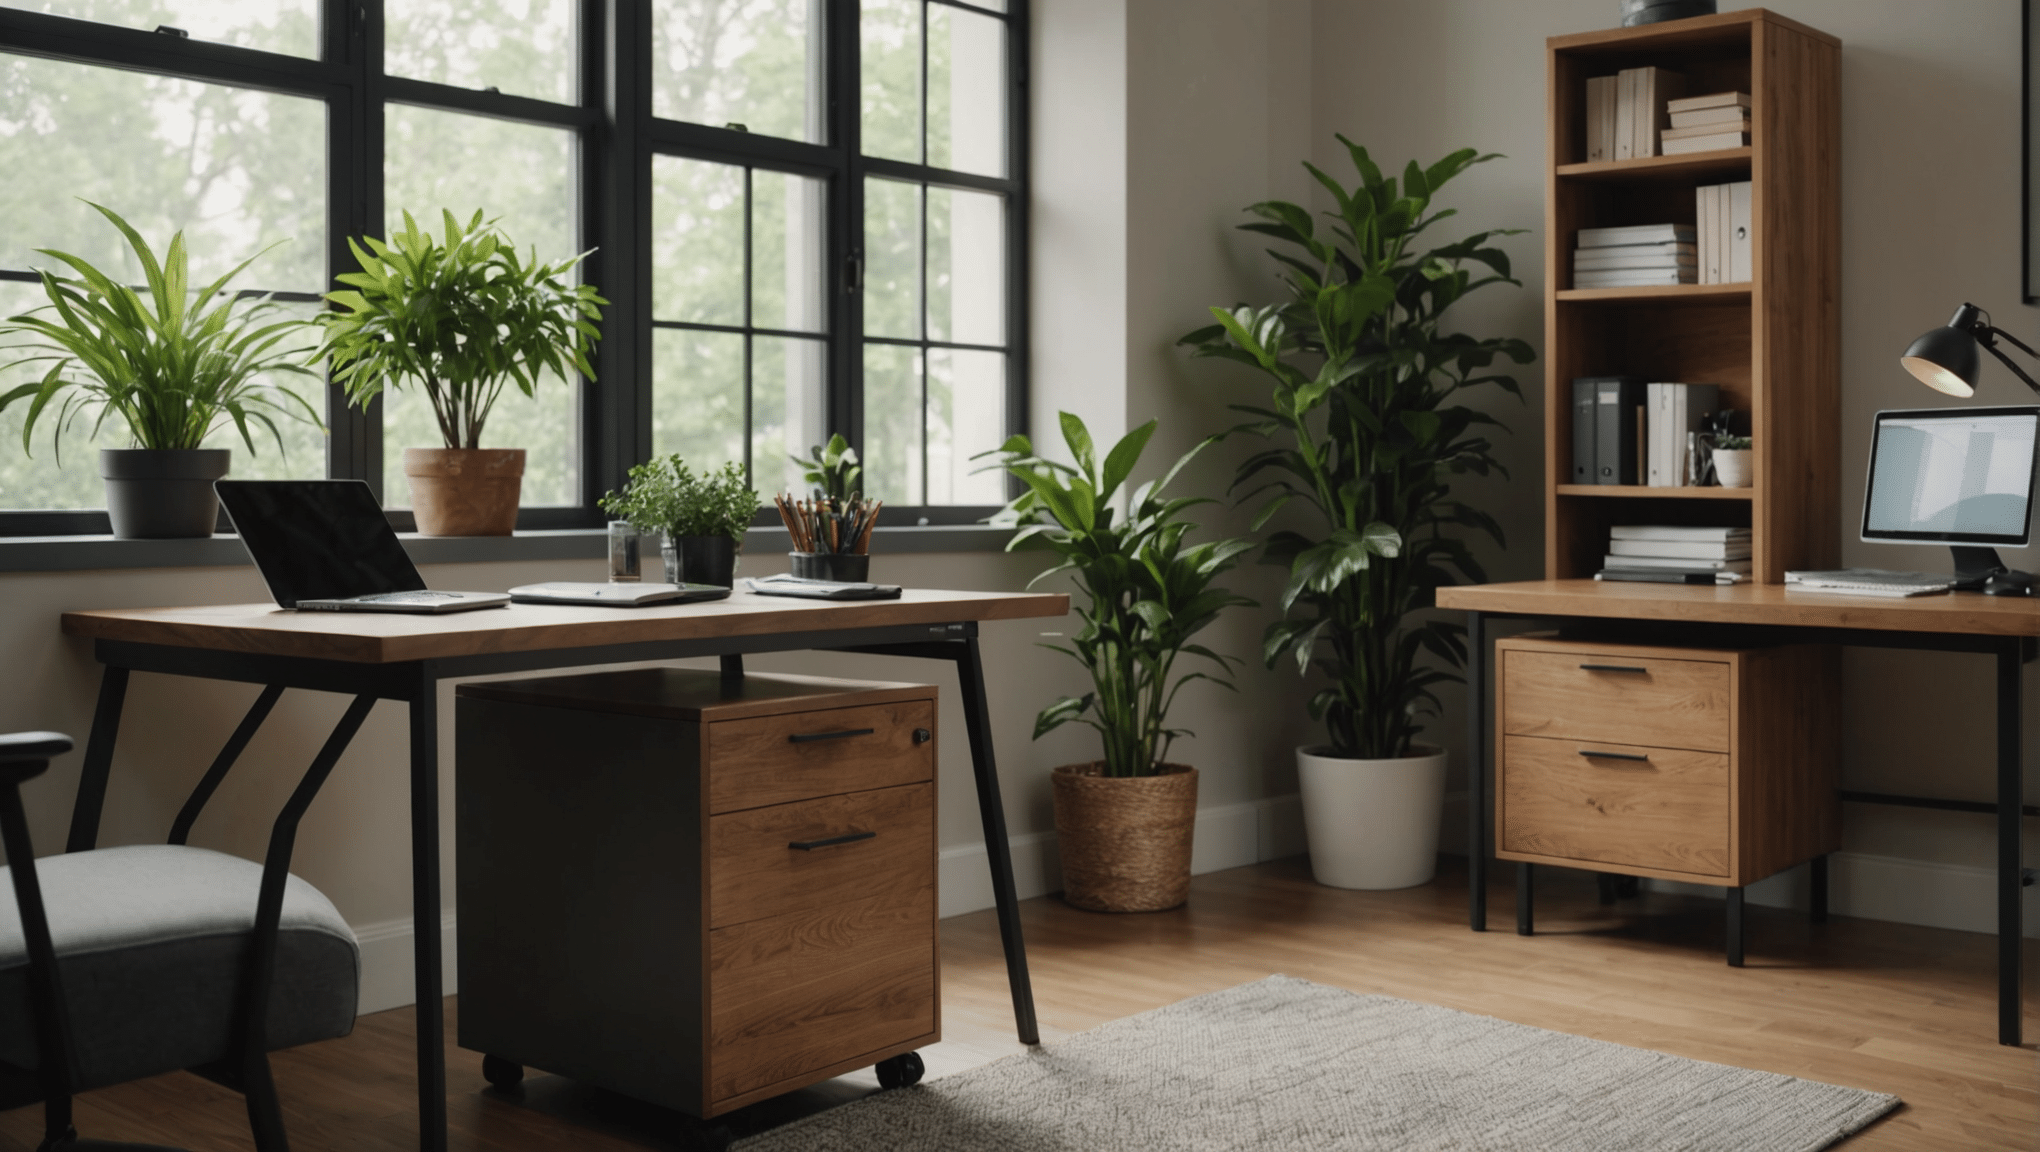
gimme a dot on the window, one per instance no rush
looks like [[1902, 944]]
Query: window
[[807, 216]]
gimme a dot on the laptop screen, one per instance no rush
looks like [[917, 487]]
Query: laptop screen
[[318, 539]]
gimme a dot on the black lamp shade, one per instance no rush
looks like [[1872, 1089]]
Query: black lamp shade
[[1945, 360]]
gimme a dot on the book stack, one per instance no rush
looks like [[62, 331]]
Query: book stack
[[1677, 554], [1705, 123], [1625, 112], [1674, 412], [1723, 212], [1643, 254]]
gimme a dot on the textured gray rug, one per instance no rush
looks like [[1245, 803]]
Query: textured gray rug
[[1287, 1064]]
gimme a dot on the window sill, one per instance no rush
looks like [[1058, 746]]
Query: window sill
[[87, 553]]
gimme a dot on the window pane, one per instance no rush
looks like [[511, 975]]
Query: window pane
[[523, 47], [697, 241], [890, 32], [521, 176], [966, 267], [698, 396], [237, 170], [289, 26], [966, 416], [966, 91], [892, 258], [786, 252], [892, 424], [757, 63], [787, 410]]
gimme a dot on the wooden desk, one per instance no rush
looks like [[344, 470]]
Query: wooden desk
[[2003, 627], [375, 656]]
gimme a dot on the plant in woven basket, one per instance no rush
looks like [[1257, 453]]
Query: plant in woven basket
[[1144, 591]]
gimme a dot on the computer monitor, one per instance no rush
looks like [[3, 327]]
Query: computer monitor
[[1956, 476]]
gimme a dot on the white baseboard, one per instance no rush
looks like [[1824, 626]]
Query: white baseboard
[[387, 973], [1922, 892]]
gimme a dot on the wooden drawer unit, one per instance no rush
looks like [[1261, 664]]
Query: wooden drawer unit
[[1709, 766], [693, 891]]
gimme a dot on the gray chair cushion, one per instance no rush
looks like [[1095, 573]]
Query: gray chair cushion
[[152, 942]]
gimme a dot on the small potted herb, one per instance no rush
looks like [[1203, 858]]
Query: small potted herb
[[1731, 458], [831, 529], [701, 517]]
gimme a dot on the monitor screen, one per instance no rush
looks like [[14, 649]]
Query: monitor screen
[[1952, 475], [318, 539]]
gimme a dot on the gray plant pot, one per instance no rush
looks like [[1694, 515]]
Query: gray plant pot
[[700, 560], [1636, 12], [162, 493]]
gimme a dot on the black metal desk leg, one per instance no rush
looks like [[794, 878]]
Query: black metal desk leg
[[970, 675], [425, 915], [1476, 773], [2011, 799], [98, 761], [1733, 906], [1526, 879]]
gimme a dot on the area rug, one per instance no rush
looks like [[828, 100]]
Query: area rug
[[1288, 1064]]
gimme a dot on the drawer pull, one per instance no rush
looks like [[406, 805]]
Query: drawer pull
[[922, 735], [811, 737], [846, 838], [1614, 668], [1588, 752]]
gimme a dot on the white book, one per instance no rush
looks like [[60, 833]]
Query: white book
[[1725, 234], [1600, 117], [1706, 143], [1633, 278], [1636, 234], [1706, 130], [1609, 263], [1653, 444], [1682, 549], [1610, 97], [1633, 562], [1720, 114], [1709, 249], [1709, 100], [1662, 248], [1675, 532], [1740, 266], [1625, 113]]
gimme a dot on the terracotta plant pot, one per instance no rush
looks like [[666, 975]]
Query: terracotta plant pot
[[162, 493], [465, 491], [1125, 840]]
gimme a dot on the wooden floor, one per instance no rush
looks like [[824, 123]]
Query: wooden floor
[[1888, 1007]]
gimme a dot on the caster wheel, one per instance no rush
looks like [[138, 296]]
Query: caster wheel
[[901, 1071], [502, 1073], [716, 1139]]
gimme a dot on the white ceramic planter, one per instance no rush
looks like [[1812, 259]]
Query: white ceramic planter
[[1372, 823], [1732, 467]]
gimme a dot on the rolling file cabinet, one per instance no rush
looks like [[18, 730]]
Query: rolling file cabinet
[[1714, 767], [693, 890]]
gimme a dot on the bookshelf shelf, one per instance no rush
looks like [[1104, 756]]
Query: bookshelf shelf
[[1772, 344], [1707, 167], [1638, 492]]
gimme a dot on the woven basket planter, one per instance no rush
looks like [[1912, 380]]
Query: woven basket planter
[[1125, 840]]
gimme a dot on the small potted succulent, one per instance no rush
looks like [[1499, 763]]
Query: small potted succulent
[[702, 518], [1123, 823], [173, 363], [459, 316], [1731, 456], [831, 528]]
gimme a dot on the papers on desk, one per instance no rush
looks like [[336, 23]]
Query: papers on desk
[[1869, 582]]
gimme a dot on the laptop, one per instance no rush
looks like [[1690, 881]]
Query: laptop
[[323, 545]]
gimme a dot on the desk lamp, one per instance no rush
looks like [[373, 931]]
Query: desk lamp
[[1945, 360]]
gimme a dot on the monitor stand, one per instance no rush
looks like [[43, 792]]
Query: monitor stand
[[1976, 565]]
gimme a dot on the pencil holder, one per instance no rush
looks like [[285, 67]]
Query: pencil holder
[[844, 566]]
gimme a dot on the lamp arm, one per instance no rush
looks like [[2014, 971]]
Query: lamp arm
[[1990, 330], [2007, 360]]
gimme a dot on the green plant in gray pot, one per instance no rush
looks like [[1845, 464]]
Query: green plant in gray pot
[[173, 363], [702, 518], [1368, 430], [1124, 823]]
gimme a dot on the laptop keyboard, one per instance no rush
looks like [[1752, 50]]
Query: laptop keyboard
[[409, 597]]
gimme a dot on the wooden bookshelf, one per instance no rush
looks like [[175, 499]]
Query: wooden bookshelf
[[1773, 344]]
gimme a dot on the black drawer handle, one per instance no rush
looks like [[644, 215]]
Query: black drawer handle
[[845, 734], [846, 838], [1614, 755], [922, 735], [1613, 668]]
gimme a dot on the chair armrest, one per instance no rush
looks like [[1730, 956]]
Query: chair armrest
[[25, 755]]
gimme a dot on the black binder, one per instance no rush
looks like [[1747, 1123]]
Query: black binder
[[1618, 415], [1583, 471]]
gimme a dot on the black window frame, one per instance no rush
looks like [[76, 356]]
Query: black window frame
[[617, 138]]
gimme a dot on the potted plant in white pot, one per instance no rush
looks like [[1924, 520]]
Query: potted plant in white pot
[[174, 368], [459, 316], [1368, 433], [701, 518], [1123, 823]]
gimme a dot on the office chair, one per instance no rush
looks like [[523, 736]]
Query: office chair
[[121, 963]]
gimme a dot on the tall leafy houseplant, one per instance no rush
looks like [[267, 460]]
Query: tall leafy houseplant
[[172, 363], [1124, 823], [1369, 430], [459, 316]]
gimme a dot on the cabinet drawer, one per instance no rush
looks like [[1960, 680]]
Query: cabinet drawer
[[795, 993], [798, 756], [754, 873], [1667, 811], [1617, 699]]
